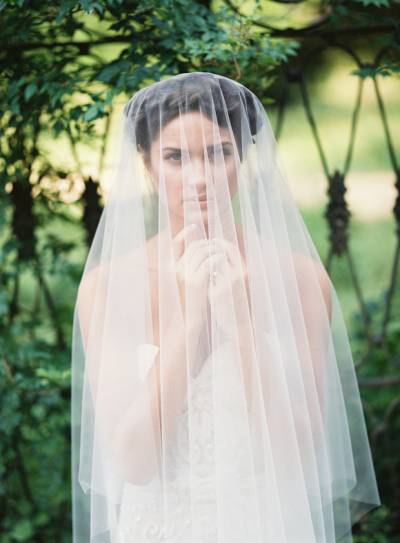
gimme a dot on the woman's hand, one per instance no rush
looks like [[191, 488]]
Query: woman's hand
[[230, 279], [193, 267]]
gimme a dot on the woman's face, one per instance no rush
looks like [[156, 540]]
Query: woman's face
[[187, 172]]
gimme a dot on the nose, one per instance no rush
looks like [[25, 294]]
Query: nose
[[197, 178]]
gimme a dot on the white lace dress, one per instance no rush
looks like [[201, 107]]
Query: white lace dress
[[141, 512]]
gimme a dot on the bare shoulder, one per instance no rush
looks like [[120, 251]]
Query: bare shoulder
[[93, 279], [93, 286], [88, 292], [90, 281], [307, 268]]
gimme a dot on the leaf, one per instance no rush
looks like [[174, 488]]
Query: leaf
[[30, 91], [91, 113], [23, 531], [110, 72]]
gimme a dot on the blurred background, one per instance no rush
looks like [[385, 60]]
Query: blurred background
[[327, 73]]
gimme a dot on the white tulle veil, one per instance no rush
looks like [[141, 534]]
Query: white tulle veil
[[214, 397]]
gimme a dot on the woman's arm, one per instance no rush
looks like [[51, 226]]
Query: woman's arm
[[316, 309], [133, 429], [136, 447]]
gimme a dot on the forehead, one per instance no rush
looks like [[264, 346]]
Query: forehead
[[193, 128]]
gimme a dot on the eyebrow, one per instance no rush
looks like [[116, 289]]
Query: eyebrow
[[208, 146]]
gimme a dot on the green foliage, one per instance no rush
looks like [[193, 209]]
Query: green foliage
[[154, 39], [376, 527], [376, 3], [34, 430], [382, 409]]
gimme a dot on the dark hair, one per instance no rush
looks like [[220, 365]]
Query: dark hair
[[161, 102]]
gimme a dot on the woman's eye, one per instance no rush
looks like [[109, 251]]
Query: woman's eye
[[174, 156], [218, 152]]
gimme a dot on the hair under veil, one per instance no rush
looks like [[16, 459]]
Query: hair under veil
[[214, 396]]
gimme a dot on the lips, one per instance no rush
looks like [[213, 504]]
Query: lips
[[199, 198], [202, 202]]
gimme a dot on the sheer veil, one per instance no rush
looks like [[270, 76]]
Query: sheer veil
[[214, 396]]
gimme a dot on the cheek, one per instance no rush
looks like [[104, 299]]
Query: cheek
[[232, 180], [173, 184], [228, 173], [171, 176]]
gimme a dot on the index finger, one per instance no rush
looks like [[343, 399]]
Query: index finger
[[233, 253], [178, 241]]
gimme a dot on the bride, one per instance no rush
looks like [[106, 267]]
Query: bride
[[214, 397]]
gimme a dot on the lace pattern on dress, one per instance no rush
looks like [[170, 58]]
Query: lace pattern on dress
[[141, 515]]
